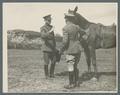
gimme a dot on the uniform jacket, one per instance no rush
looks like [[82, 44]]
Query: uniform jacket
[[49, 43], [71, 36]]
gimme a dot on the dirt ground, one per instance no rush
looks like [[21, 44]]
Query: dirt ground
[[25, 73]]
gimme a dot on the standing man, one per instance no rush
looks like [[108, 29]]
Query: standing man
[[72, 48], [49, 46]]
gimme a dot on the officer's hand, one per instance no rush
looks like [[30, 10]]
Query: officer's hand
[[60, 51], [56, 51], [85, 37], [52, 29]]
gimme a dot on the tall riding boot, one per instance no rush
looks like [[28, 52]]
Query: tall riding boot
[[76, 81], [46, 71], [70, 78], [71, 83], [52, 68]]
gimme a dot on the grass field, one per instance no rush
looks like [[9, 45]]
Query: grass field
[[25, 73]]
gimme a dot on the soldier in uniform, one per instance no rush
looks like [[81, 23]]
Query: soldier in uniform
[[49, 46], [72, 47]]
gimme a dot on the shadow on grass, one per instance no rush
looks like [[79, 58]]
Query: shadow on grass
[[87, 76], [64, 73]]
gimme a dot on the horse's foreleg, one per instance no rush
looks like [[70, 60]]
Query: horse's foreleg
[[93, 59], [88, 58]]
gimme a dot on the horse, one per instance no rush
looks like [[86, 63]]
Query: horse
[[98, 36]]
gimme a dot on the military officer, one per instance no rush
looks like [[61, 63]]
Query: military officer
[[49, 46], [72, 47]]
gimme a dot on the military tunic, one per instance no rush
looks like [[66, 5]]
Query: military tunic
[[71, 43], [49, 49], [48, 38]]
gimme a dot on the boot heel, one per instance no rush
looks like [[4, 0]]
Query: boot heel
[[46, 71], [52, 70]]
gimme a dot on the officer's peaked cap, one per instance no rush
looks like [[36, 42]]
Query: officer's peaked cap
[[69, 14], [47, 17]]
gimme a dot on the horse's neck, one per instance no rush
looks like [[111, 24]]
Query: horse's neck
[[82, 22]]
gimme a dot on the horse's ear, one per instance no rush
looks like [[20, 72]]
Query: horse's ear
[[76, 8]]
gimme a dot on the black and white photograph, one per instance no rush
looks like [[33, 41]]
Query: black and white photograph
[[52, 47]]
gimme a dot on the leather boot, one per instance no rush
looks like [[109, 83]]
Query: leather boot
[[46, 71], [71, 83], [76, 76], [52, 68]]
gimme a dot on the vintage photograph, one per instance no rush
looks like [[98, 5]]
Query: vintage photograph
[[60, 47]]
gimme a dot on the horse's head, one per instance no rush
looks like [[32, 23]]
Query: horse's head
[[79, 19]]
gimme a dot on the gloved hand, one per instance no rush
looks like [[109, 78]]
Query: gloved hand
[[52, 29], [58, 56], [60, 51], [85, 37]]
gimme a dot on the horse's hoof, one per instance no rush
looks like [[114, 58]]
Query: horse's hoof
[[69, 86], [52, 76], [77, 84], [89, 71]]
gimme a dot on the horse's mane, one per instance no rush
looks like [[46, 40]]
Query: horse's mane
[[81, 21]]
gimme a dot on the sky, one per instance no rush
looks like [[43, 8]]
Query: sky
[[29, 16]]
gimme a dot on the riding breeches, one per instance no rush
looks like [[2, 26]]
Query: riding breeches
[[49, 56], [72, 61]]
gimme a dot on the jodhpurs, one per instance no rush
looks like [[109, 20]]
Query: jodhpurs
[[49, 56]]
